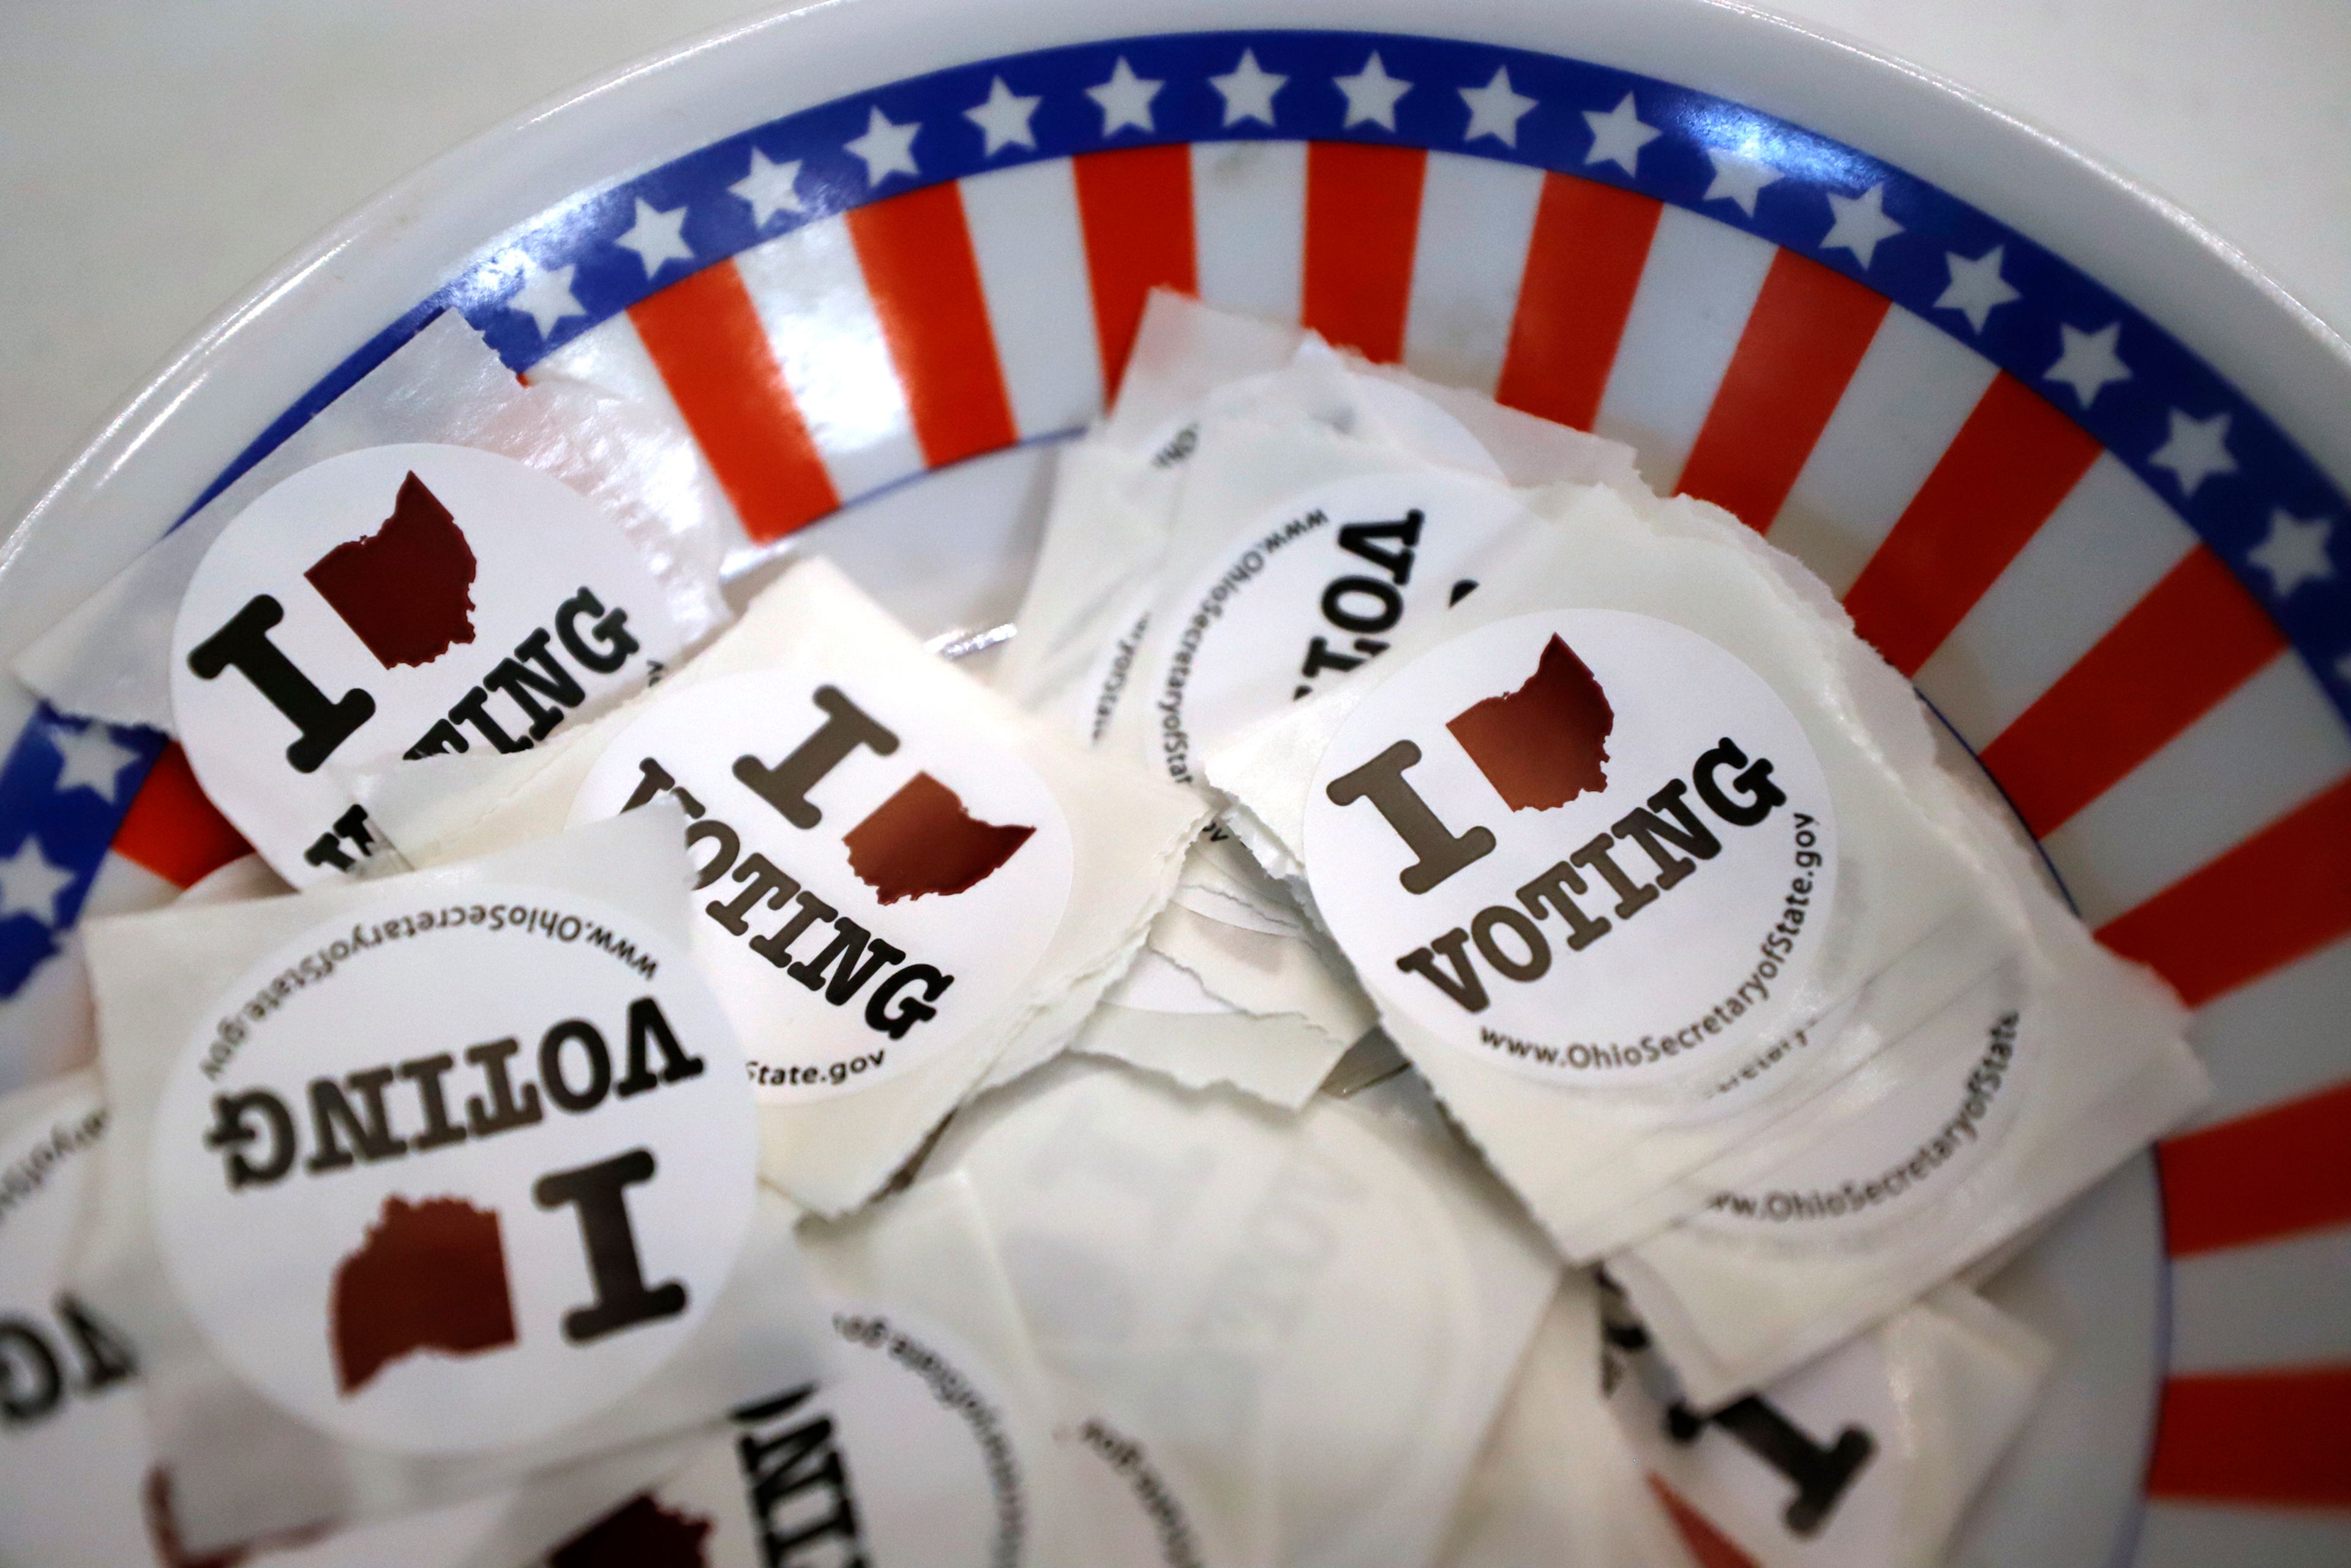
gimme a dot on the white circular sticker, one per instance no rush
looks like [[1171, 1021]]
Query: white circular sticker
[[1317, 586], [932, 1446], [1919, 1143], [448, 1178], [1587, 845], [397, 602], [906, 1455], [877, 875]]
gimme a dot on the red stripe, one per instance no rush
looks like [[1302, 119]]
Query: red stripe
[[2283, 893], [1583, 264], [2259, 1438], [1710, 1546], [172, 830], [707, 340], [2277, 1172], [2194, 639], [1363, 224], [920, 269], [2011, 463], [1801, 343], [1134, 207]]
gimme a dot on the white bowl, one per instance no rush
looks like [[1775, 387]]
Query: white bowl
[[2081, 478]]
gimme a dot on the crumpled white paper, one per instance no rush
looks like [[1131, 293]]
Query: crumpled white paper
[[1960, 1138], [1863, 1458], [1307, 1323], [1120, 540]]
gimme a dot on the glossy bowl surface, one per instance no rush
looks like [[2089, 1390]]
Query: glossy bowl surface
[[2072, 467]]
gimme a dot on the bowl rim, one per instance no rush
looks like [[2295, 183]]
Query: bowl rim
[[330, 302], [195, 416]]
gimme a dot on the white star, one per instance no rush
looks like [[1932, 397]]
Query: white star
[[1004, 119], [1125, 99], [1860, 222], [1248, 92], [770, 187], [2196, 450], [1618, 136], [93, 760], [545, 294], [1372, 94], [1977, 288], [657, 237], [1738, 178], [1495, 110], [886, 149], [30, 881], [2295, 551], [2088, 362]]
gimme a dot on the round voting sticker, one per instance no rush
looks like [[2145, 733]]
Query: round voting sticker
[[451, 1178], [1587, 845]]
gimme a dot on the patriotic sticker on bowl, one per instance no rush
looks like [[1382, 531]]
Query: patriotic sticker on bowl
[[397, 602], [875, 871], [1487, 826], [452, 1232]]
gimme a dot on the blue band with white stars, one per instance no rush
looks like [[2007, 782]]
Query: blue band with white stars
[[2245, 489]]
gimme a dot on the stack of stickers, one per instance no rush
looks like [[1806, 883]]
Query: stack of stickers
[[1431, 1008]]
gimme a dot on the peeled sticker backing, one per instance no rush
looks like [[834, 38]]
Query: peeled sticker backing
[[1309, 1321], [1864, 1458]]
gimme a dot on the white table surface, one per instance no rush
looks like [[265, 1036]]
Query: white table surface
[[157, 156]]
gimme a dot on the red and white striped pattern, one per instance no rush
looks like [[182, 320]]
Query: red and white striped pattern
[[2190, 778], [172, 833], [170, 839]]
